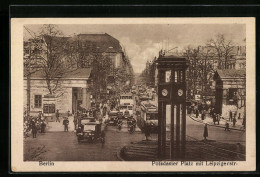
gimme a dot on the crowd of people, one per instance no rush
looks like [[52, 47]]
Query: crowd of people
[[34, 124], [203, 110]]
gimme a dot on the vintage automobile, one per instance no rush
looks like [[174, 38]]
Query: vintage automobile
[[112, 117], [127, 114], [90, 130]]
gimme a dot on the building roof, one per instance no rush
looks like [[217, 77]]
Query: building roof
[[101, 42], [231, 73], [80, 73]]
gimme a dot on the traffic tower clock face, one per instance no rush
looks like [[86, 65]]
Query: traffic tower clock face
[[164, 92], [180, 92]]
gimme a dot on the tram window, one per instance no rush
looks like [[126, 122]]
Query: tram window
[[130, 108]]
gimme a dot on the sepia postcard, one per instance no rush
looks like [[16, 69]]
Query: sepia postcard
[[133, 94]]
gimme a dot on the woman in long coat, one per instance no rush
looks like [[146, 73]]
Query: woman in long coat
[[146, 130], [34, 129], [205, 134], [197, 113]]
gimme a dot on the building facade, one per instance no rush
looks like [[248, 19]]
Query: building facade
[[230, 91], [73, 92]]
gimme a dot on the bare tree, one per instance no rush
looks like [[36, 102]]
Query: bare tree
[[58, 56], [223, 49]]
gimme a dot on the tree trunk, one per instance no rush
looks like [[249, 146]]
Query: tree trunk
[[48, 82]]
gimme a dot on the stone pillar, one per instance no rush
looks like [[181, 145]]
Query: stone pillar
[[84, 97]]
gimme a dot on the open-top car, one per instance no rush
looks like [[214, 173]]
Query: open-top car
[[90, 130]]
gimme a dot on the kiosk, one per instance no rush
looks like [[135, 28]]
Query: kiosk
[[172, 91]]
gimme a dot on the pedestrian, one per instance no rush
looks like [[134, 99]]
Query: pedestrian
[[43, 125], [40, 115], [197, 113], [66, 124], [239, 116], [214, 118], [203, 115], [57, 116], [230, 116], [34, 128], [146, 130], [244, 122], [227, 127], [218, 118], [205, 134], [25, 129], [234, 121]]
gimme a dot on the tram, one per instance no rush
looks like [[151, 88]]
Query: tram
[[149, 114]]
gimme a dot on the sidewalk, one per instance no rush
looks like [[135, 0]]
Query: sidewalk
[[222, 122], [58, 126], [194, 151]]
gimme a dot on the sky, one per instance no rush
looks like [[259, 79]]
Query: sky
[[142, 42]]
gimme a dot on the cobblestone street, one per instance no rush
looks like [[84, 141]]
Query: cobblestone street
[[63, 146]]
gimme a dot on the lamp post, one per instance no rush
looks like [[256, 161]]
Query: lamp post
[[172, 91]]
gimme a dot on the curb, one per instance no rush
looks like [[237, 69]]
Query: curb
[[214, 125]]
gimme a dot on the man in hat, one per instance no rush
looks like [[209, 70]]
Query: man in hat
[[66, 124], [205, 134], [57, 116], [34, 128]]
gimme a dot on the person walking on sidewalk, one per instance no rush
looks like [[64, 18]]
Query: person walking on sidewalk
[[34, 128], [197, 113], [66, 124], [244, 122], [57, 116], [230, 116], [205, 134], [227, 127], [146, 130], [214, 118], [234, 121], [218, 118], [203, 115]]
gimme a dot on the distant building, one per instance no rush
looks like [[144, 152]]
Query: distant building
[[91, 44], [230, 91]]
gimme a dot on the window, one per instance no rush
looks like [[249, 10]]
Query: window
[[38, 101], [49, 108], [232, 96]]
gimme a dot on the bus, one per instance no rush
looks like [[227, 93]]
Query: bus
[[149, 114], [126, 102]]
